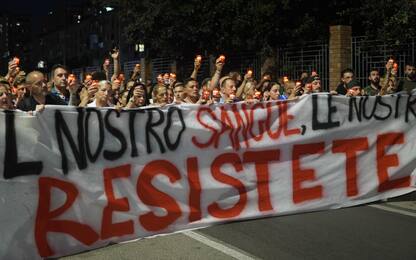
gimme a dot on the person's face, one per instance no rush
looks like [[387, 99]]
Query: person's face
[[21, 90], [162, 96], [170, 96], [179, 93], [159, 78], [347, 77], [391, 86], [140, 99], [355, 91], [5, 102], [124, 98], [138, 90], [191, 89], [374, 77], [115, 86], [274, 92], [410, 71], [229, 88], [290, 87], [205, 86], [60, 77], [166, 78], [88, 80], [316, 86], [266, 95], [104, 93], [39, 87], [238, 78], [250, 89], [139, 94]]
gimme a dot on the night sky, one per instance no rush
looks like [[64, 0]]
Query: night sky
[[34, 7]]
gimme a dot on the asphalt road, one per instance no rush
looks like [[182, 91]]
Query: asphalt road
[[378, 231]]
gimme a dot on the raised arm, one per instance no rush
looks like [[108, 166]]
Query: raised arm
[[219, 64], [240, 90], [116, 59], [13, 68], [260, 84], [73, 86], [197, 66], [136, 72]]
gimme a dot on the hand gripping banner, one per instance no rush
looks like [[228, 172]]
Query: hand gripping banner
[[75, 179]]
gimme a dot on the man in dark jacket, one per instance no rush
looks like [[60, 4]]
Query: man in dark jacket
[[39, 95], [346, 76]]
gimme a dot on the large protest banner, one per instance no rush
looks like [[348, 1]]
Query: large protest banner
[[77, 179]]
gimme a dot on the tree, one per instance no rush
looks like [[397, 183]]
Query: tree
[[183, 28], [386, 20]]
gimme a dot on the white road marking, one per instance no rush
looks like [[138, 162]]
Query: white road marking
[[399, 211], [220, 247]]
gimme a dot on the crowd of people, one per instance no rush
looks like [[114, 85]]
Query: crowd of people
[[32, 91]]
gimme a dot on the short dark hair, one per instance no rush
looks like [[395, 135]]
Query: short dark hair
[[269, 87], [84, 76], [410, 63], [225, 80], [131, 91], [186, 81], [267, 73], [178, 84], [98, 75], [347, 70], [58, 66], [234, 74], [353, 83]]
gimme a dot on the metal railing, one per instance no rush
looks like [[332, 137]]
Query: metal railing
[[78, 72], [373, 54], [161, 66], [92, 69], [313, 56], [128, 67]]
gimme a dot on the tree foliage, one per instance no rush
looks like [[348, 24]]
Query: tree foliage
[[387, 20], [182, 28]]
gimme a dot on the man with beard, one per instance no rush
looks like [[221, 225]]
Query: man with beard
[[408, 84], [374, 88], [346, 76]]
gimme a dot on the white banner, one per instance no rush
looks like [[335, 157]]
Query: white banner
[[77, 179]]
